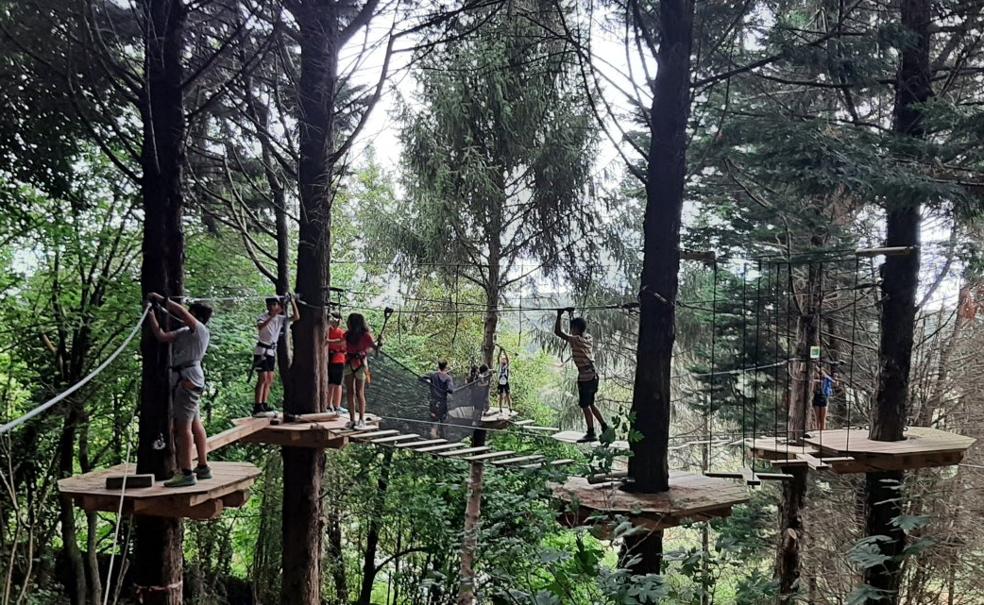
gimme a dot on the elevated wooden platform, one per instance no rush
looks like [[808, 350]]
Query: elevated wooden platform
[[327, 432], [228, 488], [691, 497], [922, 448], [496, 418], [572, 437]]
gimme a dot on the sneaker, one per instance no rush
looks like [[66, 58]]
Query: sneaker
[[350, 424], [588, 438], [360, 425], [203, 472], [181, 480], [258, 409], [269, 410]]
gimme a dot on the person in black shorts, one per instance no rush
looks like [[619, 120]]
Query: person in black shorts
[[587, 376], [336, 363], [269, 327], [503, 381]]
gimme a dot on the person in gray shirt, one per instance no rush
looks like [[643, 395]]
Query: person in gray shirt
[[188, 346]]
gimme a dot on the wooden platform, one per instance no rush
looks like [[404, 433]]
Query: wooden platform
[[496, 418], [229, 487], [922, 448], [327, 434], [573, 436], [691, 497]]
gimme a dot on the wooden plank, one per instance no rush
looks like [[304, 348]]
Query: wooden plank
[[518, 459], [561, 462], [749, 476], [724, 475], [417, 444], [490, 456], [465, 452], [814, 463], [774, 476], [544, 429], [243, 428], [396, 438], [130, 481], [439, 448], [316, 417], [359, 436], [524, 422]]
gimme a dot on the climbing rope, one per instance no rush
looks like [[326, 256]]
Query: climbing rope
[[78, 385]]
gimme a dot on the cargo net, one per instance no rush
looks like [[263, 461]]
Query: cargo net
[[405, 399]]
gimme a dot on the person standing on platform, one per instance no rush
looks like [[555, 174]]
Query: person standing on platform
[[587, 376], [503, 381], [188, 346], [358, 344], [336, 362], [270, 326]]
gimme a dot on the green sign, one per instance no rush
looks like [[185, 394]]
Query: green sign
[[814, 352]]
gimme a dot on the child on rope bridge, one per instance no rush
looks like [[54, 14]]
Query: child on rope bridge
[[188, 346], [270, 326], [587, 376]]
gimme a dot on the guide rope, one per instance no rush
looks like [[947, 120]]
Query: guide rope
[[78, 385]]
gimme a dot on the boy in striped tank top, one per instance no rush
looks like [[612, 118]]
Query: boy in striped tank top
[[587, 376]]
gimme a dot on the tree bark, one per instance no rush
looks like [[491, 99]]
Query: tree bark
[[303, 467], [900, 278], [372, 534], [158, 567], [77, 588], [473, 517], [665, 175], [791, 535]]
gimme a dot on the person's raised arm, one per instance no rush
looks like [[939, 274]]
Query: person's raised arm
[[155, 326], [558, 329], [295, 313], [182, 313]]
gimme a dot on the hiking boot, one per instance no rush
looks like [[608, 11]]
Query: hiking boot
[[181, 480], [203, 472], [588, 437]]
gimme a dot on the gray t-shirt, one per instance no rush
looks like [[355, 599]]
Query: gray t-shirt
[[187, 352]]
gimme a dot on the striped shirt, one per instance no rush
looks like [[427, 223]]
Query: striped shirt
[[583, 355]]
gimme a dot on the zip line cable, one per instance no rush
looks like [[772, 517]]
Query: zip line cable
[[78, 385]]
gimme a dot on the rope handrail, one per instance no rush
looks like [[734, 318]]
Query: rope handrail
[[78, 385]]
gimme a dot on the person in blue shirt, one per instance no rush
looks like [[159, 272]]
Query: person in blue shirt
[[822, 392]]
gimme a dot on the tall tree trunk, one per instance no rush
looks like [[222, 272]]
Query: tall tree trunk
[[665, 173], [473, 518], [372, 534], [900, 278], [303, 467], [791, 534], [158, 566], [77, 588], [335, 551]]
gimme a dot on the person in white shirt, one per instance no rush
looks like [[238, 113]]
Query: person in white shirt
[[270, 325], [503, 382]]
